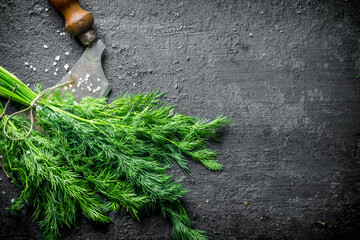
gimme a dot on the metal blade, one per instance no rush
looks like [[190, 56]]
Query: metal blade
[[87, 75]]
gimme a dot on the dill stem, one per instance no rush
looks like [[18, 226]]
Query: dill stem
[[92, 122]]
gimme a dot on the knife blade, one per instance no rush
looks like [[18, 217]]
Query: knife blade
[[87, 75]]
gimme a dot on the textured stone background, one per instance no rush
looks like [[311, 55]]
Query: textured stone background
[[292, 152]]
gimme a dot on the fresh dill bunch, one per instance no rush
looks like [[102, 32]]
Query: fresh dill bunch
[[100, 157]]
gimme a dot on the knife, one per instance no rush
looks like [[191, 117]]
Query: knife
[[87, 75]]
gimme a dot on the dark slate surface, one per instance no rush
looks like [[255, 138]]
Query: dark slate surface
[[284, 71]]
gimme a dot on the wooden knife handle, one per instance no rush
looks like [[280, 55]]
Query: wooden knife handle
[[77, 20]]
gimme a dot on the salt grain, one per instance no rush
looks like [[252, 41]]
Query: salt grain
[[26, 64], [66, 66], [28, 152], [98, 79], [46, 70], [34, 69], [54, 63], [3, 192], [12, 200], [67, 53], [56, 69], [57, 58], [55, 73], [31, 66], [45, 46]]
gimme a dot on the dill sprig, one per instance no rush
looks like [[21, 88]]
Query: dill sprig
[[96, 158]]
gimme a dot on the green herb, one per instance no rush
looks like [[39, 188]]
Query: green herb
[[96, 158]]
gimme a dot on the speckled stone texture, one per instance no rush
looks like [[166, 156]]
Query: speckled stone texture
[[283, 71]]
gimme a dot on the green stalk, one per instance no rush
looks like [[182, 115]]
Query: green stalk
[[23, 94], [12, 79]]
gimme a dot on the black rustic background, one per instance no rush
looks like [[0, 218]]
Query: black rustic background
[[283, 71]]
